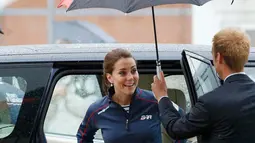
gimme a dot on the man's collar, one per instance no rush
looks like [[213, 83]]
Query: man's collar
[[233, 74]]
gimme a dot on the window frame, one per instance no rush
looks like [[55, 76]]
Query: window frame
[[188, 74], [189, 77], [26, 121], [95, 67]]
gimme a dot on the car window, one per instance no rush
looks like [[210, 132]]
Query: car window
[[179, 94], [21, 88], [72, 96], [203, 76], [178, 90], [11, 96]]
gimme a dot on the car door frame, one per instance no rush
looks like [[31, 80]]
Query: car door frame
[[188, 74], [62, 69], [58, 71], [26, 121]]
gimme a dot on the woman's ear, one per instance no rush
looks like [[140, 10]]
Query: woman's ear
[[109, 78]]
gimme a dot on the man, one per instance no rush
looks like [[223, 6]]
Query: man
[[225, 115]]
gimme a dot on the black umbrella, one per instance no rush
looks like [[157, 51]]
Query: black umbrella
[[128, 6], [1, 32]]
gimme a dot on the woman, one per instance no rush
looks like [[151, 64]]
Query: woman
[[127, 114]]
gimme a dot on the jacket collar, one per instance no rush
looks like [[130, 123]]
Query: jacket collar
[[237, 77], [111, 92], [233, 74]]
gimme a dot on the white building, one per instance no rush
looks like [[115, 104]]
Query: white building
[[217, 14]]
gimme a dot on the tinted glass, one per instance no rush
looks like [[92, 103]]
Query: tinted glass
[[21, 90]]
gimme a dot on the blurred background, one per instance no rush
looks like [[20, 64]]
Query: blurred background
[[41, 22]]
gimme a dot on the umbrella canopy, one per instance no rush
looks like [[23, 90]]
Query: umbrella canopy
[[128, 6], [125, 6]]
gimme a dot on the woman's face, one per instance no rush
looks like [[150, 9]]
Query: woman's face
[[124, 76]]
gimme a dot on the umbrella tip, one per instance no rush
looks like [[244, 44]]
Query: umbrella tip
[[232, 2], [1, 32]]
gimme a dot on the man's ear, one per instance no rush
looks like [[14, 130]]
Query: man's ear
[[220, 58], [109, 78]]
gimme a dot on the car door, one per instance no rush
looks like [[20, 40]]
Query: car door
[[72, 89], [21, 90], [199, 74]]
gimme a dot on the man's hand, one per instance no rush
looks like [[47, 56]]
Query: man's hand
[[159, 87]]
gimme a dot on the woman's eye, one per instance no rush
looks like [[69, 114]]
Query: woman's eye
[[122, 73], [133, 71]]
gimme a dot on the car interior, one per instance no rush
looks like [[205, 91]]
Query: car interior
[[176, 95]]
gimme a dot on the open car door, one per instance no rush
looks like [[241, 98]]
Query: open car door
[[199, 74]]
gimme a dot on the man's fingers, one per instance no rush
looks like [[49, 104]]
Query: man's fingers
[[162, 78], [152, 85], [155, 78]]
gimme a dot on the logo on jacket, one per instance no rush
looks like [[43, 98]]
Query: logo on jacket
[[146, 117], [103, 110]]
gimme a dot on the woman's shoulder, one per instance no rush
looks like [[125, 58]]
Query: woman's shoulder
[[99, 104], [146, 94]]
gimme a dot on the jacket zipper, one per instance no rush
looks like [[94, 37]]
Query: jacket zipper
[[127, 118], [125, 112], [126, 124], [129, 114]]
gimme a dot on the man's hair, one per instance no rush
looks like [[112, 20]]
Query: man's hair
[[234, 46]]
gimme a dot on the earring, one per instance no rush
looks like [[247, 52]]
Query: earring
[[111, 85]]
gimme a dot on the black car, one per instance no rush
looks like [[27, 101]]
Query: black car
[[45, 90]]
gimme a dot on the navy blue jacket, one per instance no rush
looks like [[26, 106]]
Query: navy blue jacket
[[224, 115], [140, 125]]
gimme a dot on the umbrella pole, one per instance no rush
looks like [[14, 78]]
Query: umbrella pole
[[158, 63]]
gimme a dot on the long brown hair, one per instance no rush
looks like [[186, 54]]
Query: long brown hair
[[109, 61]]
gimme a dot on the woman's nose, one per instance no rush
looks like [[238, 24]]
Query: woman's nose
[[129, 76]]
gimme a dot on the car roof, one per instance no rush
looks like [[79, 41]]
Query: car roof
[[95, 52]]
